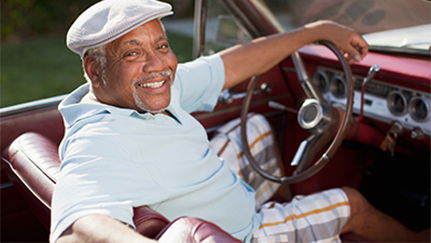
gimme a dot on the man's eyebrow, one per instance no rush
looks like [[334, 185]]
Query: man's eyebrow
[[137, 42], [131, 42], [162, 38]]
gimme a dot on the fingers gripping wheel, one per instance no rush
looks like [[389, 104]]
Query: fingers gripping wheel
[[320, 119]]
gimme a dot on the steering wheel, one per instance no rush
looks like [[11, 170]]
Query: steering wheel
[[316, 116]]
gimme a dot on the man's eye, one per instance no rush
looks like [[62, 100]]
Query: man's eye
[[163, 46], [130, 54]]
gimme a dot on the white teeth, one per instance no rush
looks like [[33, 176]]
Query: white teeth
[[152, 85]]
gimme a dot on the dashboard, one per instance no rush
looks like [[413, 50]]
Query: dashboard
[[382, 101]]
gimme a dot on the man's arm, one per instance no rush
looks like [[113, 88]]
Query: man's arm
[[259, 55], [100, 228]]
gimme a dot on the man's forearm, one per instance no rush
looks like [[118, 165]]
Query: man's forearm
[[259, 55], [100, 228]]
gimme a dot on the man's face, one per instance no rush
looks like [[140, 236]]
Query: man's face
[[140, 70]]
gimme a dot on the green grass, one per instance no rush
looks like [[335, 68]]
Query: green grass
[[44, 67]]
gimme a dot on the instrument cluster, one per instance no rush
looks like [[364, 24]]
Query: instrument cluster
[[382, 101]]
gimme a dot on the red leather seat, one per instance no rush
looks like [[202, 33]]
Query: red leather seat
[[193, 230], [34, 165]]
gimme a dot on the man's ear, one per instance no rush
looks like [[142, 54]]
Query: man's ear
[[93, 70]]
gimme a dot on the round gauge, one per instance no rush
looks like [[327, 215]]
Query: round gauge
[[397, 103], [419, 109], [338, 87], [321, 80]]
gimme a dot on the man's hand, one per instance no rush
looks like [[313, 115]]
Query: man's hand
[[347, 40], [258, 56]]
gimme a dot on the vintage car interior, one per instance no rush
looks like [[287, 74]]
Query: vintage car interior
[[365, 125]]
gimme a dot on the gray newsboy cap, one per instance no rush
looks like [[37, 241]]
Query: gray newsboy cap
[[108, 20]]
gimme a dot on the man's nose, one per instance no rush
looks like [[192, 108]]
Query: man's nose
[[153, 63]]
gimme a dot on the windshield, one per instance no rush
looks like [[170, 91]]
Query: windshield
[[404, 24]]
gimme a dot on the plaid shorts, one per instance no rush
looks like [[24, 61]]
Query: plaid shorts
[[228, 146], [314, 218]]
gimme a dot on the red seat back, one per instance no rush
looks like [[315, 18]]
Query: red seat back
[[194, 230], [34, 164]]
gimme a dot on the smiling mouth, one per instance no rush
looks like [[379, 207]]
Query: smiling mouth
[[152, 85]]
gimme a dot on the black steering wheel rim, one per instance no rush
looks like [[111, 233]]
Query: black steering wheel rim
[[336, 142]]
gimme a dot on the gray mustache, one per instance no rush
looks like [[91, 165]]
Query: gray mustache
[[164, 73]]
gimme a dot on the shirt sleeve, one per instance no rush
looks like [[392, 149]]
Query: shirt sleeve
[[95, 179], [200, 83]]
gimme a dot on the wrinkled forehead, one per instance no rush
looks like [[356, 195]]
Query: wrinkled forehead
[[110, 19]]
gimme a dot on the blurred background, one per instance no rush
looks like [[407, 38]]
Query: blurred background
[[35, 62]]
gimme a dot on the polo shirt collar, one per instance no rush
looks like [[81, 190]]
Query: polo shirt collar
[[73, 110]]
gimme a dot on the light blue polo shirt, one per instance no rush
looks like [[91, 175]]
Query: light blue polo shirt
[[114, 159]]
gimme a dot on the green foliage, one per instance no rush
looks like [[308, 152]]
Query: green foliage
[[43, 67], [37, 69], [21, 18]]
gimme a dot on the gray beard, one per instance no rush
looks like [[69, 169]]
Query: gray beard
[[138, 102], [142, 106]]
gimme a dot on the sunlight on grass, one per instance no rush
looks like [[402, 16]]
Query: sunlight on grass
[[44, 67], [37, 69]]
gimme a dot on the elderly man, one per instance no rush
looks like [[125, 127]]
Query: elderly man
[[130, 139]]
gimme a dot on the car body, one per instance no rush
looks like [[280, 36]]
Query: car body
[[396, 104]]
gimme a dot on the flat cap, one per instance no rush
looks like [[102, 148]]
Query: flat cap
[[108, 20]]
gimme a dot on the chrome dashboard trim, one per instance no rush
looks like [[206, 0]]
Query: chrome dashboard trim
[[391, 102], [376, 106], [336, 80], [316, 79], [412, 108]]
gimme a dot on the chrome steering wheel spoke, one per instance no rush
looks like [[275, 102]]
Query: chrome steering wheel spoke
[[315, 116]]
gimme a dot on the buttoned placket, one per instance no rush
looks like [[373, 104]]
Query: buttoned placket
[[158, 118]]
